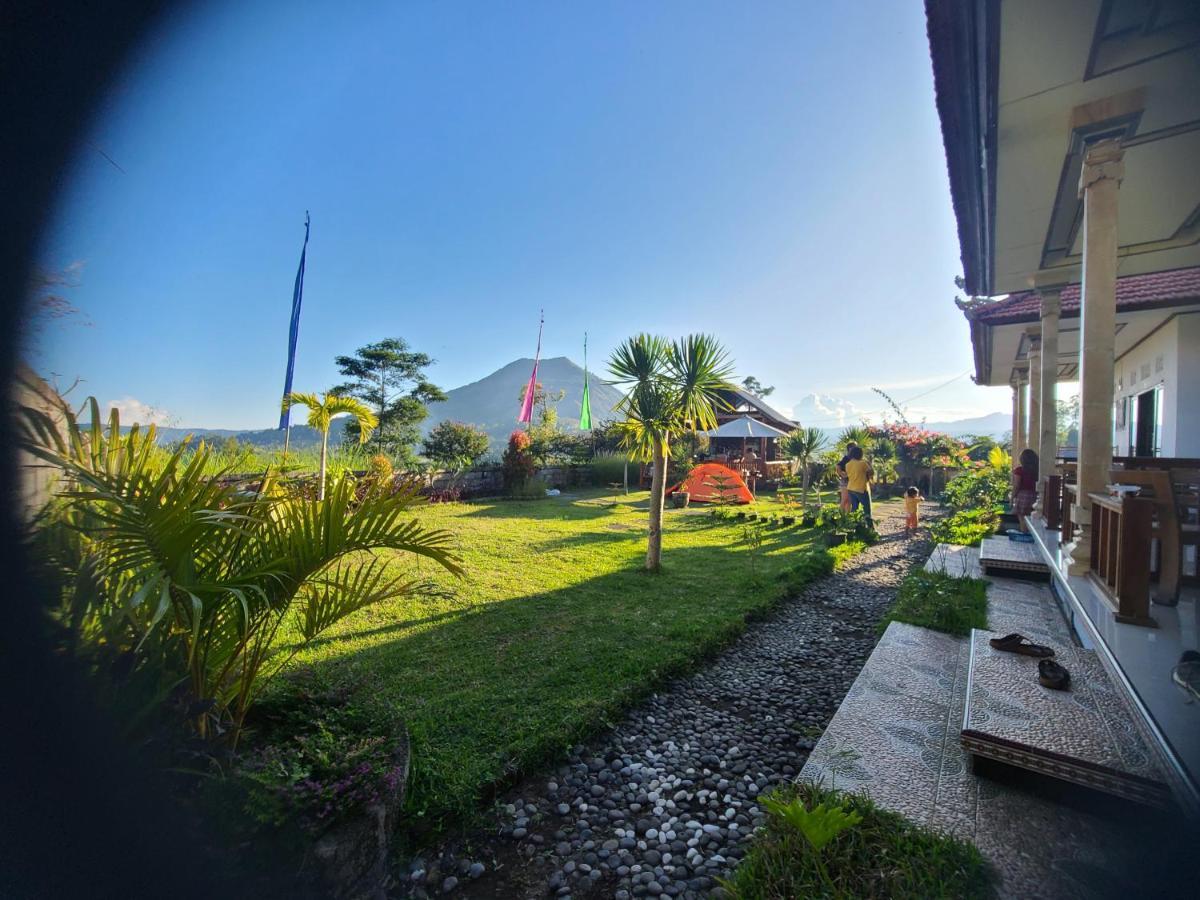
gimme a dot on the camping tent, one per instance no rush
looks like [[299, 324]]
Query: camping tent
[[713, 483]]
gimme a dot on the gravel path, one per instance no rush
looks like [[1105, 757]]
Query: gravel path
[[666, 800]]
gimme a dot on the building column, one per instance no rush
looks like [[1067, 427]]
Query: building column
[[1099, 182], [1047, 440], [1034, 431], [1016, 416], [1019, 410]]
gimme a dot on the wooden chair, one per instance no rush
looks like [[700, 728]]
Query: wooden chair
[[1170, 556]]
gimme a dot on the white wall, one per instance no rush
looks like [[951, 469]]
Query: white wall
[[1170, 357]]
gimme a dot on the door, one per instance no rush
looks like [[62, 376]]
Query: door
[[1147, 425]]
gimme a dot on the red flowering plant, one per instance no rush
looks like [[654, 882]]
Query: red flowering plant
[[923, 448], [517, 463]]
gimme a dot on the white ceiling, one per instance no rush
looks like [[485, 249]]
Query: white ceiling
[[1044, 53]]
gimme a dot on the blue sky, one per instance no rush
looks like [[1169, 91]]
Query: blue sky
[[771, 173]]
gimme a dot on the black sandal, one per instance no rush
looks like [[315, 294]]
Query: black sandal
[[1053, 676], [1018, 643]]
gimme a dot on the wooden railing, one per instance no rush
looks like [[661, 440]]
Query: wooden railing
[[1120, 560]]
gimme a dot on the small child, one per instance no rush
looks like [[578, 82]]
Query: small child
[[912, 502]]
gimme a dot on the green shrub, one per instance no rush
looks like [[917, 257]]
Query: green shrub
[[982, 489], [865, 851], [317, 756], [609, 468], [533, 489], [967, 527], [950, 603]]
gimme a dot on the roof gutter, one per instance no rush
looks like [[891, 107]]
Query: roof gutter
[[964, 44]]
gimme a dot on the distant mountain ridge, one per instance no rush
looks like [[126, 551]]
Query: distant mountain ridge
[[493, 402]]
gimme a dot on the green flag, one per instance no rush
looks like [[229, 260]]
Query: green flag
[[585, 408]]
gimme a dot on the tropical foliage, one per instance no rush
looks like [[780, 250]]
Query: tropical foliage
[[673, 388], [804, 446], [455, 446], [389, 377], [184, 583], [321, 412]]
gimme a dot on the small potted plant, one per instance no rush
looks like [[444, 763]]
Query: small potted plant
[[788, 521], [680, 499]]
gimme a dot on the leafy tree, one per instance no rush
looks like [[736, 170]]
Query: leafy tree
[[321, 411], [1068, 420], [390, 379], [176, 579], [674, 388], [756, 387], [805, 445], [455, 445]]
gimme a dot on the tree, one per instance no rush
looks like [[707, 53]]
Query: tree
[[673, 388], [1067, 421], [455, 445], [756, 387], [856, 434], [805, 445], [321, 411], [390, 379], [546, 441]]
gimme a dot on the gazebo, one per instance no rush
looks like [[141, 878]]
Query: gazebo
[[731, 440]]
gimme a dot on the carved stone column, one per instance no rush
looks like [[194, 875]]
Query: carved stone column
[[1047, 441], [1019, 433], [1016, 415], [1099, 185], [1034, 431]]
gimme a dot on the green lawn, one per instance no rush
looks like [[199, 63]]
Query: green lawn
[[553, 630]]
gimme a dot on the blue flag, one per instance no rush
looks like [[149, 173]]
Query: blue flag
[[285, 415]]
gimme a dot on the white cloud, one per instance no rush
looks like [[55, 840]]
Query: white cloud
[[825, 411], [134, 411]]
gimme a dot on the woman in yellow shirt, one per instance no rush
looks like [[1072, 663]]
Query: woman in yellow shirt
[[858, 482]]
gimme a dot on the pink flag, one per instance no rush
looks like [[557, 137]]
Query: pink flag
[[527, 404]]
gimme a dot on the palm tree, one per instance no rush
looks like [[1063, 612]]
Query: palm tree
[[321, 410], [194, 582], [804, 445], [674, 388], [856, 434]]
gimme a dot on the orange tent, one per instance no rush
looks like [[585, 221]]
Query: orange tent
[[713, 482]]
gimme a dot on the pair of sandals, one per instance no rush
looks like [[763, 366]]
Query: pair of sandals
[[1050, 673]]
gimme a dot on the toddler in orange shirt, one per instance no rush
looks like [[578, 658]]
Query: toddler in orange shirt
[[912, 502]]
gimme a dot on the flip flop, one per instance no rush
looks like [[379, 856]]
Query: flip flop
[[1053, 676], [1018, 643]]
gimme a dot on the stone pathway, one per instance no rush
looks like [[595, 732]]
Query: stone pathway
[[665, 802]]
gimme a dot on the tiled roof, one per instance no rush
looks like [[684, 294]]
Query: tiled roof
[[1133, 292]]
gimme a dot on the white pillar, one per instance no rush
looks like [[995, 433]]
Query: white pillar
[[1016, 416], [1047, 441], [1034, 431], [1019, 431], [1099, 182]]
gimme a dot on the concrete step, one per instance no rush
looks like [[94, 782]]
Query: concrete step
[[1085, 735], [1001, 556]]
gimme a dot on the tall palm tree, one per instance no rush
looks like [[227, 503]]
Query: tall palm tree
[[321, 410], [804, 445], [674, 388]]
